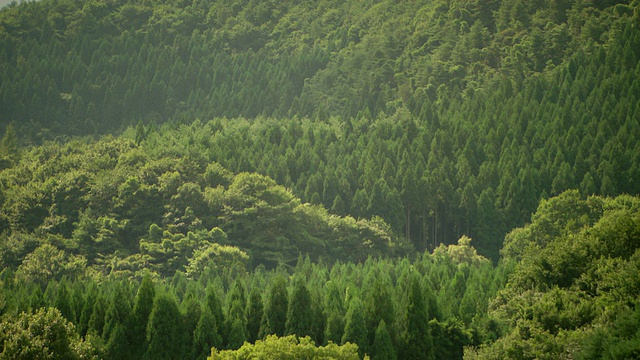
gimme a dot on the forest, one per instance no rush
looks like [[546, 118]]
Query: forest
[[233, 179]]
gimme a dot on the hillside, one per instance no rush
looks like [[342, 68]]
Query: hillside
[[425, 179], [459, 115], [128, 207]]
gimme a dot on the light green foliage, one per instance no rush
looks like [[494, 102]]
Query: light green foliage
[[215, 258], [570, 287], [463, 252], [128, 208], [289, 347], [47, 263], [45, 334]]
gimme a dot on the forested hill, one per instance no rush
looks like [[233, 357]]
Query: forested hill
[[443, 117], [86, 67]]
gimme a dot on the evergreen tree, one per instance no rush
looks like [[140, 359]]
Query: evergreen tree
[[299, 314], [277, 307], [206, 335], [117, 321], [417, 341], [334, 308], [142, 307], [355, 330], [164, 331], [254, 314], [382, 344], [214, 305]]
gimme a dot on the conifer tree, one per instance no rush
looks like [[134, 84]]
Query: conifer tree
[[254, 314], [142, 306], [206, 335], [214, 305], [299, 314], [417, 341], [382, 345], [164, 329], [355, 330], [276, 307], [63, 300], [117, 322], [334, 308]]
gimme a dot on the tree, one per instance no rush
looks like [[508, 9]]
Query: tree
[[382, 348], [117, 323], [206, 335], [254, 314], [289, 347], [9, 151], [142, 307], [164, 329], [417, 342], [277, 307], [334, 308], [47, 263], [45, 334], [355, 330], [299, 321]]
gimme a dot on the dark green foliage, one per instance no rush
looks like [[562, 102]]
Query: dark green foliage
[[118, 323], [164, 329], [205, 335], [417, 342], [300, 315], [254, 313], [142, 307], [335, 312], [276, 307], [382, 344], [443, 118]]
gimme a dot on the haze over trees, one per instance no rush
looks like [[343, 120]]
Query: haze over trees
[[427, 179]]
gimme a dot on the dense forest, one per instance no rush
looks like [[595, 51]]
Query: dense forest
[[226, 179]]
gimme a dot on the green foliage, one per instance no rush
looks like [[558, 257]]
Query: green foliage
[[143, 208], [44, 334], [417, 342], [164, 329], [47, 263], [299, 322], [575, 283], [355, 330], [289, 347], [444, 118], [276, 308], [382, 345]]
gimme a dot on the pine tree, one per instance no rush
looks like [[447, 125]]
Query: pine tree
[[117, 321], [213, 303], [334, 308]]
